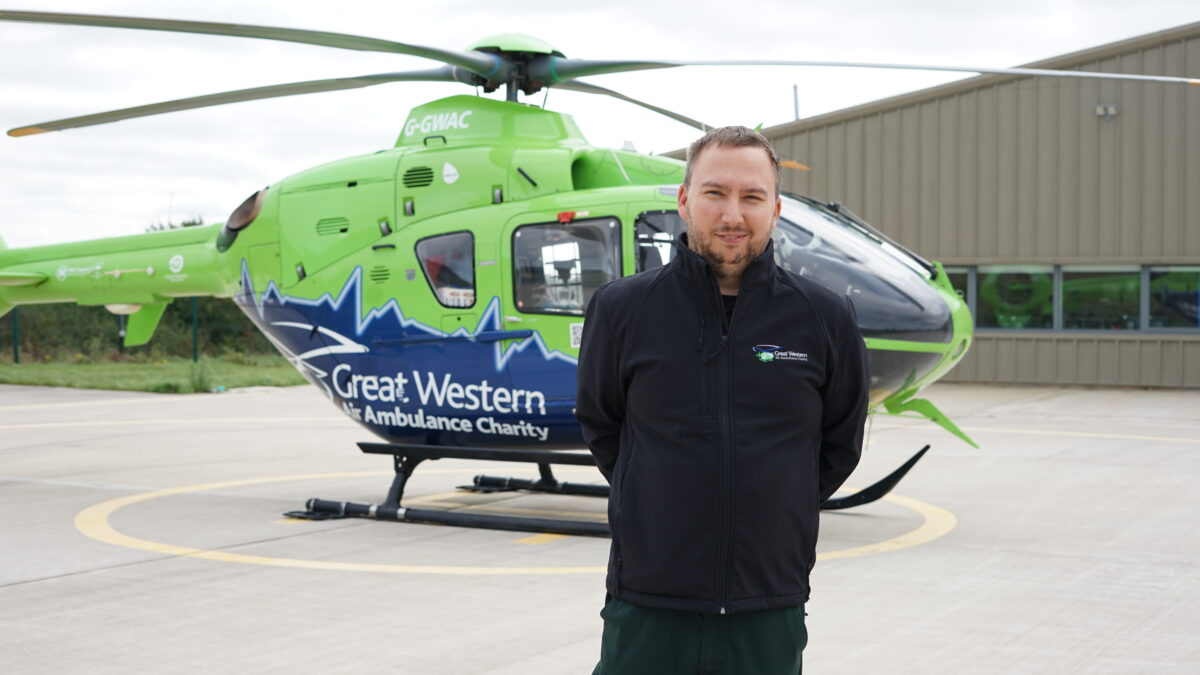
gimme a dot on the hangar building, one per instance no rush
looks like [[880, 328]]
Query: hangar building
[[1067, 211]]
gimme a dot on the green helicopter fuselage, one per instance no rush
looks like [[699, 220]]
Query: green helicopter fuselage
[[435, 290]]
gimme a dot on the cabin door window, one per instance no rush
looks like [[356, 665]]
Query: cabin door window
[[448, 261], [557, 266]]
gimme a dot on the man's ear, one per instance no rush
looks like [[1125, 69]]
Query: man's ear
[[778, 210], [681, 202]]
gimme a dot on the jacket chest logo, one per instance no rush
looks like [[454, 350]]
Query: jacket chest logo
[[772, 353]]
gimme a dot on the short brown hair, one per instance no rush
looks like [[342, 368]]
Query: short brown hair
[[737, 137]]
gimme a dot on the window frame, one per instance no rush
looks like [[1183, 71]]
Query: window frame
[[1017, 268], [1062, 271], [968, 293], [515, 276], [429, 282], [1173, 330], [1059, 320], [637, 242]]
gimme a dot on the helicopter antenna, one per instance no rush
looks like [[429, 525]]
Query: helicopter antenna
[[545, 97]]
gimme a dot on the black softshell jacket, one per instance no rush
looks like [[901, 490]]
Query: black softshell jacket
[[719, 456]]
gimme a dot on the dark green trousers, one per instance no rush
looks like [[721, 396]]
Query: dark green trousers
[[671, 642]]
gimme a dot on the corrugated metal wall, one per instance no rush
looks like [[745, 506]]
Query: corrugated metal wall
[[1023, 170], [1093, 359], [1004, 170]]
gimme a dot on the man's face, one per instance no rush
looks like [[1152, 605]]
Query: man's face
[[730, 208]]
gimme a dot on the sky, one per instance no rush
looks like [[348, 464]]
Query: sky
[[124, 177]]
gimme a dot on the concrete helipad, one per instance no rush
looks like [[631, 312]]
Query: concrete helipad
[[144, 533]]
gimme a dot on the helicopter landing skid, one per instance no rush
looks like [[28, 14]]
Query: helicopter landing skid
[[405, 460], [875, 491]]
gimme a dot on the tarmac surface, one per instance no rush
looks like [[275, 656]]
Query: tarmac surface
[[144, 533]]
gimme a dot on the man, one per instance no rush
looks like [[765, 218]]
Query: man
[[723, 399]]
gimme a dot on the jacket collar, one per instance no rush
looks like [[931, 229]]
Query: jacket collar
[[693, 266]]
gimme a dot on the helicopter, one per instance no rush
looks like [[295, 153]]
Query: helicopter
[[434, 292]]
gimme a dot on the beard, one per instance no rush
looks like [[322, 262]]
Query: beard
[[726, 264]]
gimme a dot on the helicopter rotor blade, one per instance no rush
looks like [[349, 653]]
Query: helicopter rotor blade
[[553, 70], [587, 88], [479, 63], [443, 74]]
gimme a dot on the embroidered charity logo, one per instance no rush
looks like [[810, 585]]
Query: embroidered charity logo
[[769, 353]]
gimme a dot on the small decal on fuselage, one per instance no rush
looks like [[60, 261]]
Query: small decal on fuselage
[[65, 272], [175, 265]]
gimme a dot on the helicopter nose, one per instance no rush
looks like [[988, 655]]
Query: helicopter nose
[[915, 332]]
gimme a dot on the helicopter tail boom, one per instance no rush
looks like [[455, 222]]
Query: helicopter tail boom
[[5, 307], [137, 275]]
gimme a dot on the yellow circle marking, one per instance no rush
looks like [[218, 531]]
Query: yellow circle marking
[[94, 522], [938, 521]]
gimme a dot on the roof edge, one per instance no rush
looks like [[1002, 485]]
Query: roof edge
[[1060, 62]]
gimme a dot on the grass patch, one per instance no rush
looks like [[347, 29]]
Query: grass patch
[[171, 376]]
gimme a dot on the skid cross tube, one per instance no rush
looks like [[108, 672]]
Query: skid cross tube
[[405, 459], [546, 483]]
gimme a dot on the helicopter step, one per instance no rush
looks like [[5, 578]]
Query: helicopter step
[[546, 483], [406, 458]]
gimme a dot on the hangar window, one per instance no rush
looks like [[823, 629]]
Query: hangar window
[[448, 261], [1101, 298], [958, 277], [1175, 297], [1015, 296], [557, 266], [963, 281]]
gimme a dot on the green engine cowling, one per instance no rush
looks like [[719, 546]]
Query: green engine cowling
[[452, 155]]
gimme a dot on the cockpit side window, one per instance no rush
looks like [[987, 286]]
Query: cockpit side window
[[656, 235], [557, 266], [892, 296], [448, 261]]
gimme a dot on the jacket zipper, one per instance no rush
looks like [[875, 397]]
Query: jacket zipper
[[701, 350], [726, 499]]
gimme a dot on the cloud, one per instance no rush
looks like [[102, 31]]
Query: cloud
[[121, 177]]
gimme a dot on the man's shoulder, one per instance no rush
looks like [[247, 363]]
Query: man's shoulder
[[631, 288]]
